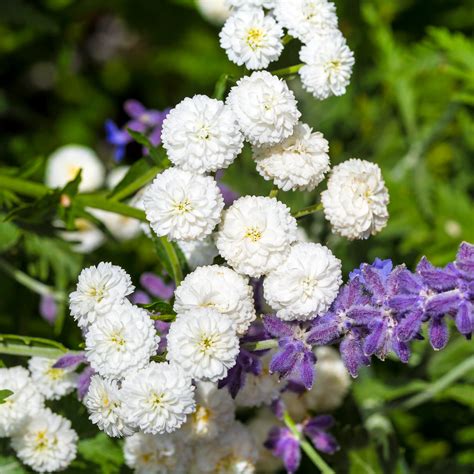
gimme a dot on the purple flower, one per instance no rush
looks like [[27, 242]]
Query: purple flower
[[247, 362], [143, 120], [140, 297], [383, 267], [83, 382], [69, 360], [155, 285], [286, 445], [295, 357], [48, 308]]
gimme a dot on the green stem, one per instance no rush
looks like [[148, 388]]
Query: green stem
[[22, 186], [317, 460], [130, 189], [98, 201], [14, 344], [286, 39], [307, 210], [439, 385], [163, 317], [261, 345], [274, 192], [288, 71], [177, 274], [29, 282]]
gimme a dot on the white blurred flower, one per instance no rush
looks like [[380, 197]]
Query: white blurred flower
[[220, 288], [51, 382], [121, 341], [198, 252], [265, 107], [297, 163], [26, 399], [159, 398], [251, 3], [234, 452], [356, 199], [204, 343], [201, 135], [182, 205], [156, 454], [327, 68], [306, 18], [215, 410], [260, 389], [255, 235], [86, 238], [116, 175], [64, 164], [46, 443], [216, 11], [98, 289], [105, 404], [252, 38], [306, 284], [120, 226]]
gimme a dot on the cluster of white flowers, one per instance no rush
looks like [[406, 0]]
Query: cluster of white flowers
[[40, 438]]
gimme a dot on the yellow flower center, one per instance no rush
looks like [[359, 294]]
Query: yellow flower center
[[253, 233], [183, 206], [255, 37], [206, 343], [117, 339], [55, 374], [41, 441], [72, 171]]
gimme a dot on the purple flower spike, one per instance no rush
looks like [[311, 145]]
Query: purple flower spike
[[48, 308], [140, 297], [117, 137], [283, 444], [316, 430], [465, 260], [69, 360], [83, 382], [156, 286], [438, 333]]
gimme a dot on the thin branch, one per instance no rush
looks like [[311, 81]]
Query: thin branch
[[307, 211]]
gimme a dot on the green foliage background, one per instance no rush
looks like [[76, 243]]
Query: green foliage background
[[66, 66]]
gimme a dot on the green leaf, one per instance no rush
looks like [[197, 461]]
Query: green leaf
[[157, 153], [461, 393], [169, 258], [10, 465], [159, 307], [139, 174], [31, 167], [9, 235], [4, 394], [104, 452]]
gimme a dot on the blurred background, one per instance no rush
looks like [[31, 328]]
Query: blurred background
[[66, 66]]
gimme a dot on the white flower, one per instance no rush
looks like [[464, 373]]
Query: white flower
[[331, 384], [255, 234], [204, 343], [116, 175], [159, 398], [220, 288], [306, 18], [198, 252], [182, 205], [355, 202], [215, 410], [156, 454], [306, 284], [121, 341], [98, 289], [233, 452], [121, 227], [252, 38], [26, 399], [216, 11], [64, 164], [260, 389], [259, 427], [47, 443], [251, 3], [201, 134], [297, 163], [327, 68], [86, 238], [105, 404], [265, 108], [52, 383]]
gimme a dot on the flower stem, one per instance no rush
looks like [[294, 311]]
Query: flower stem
[[287, 71], [287, 39], [274, 192], [317, 460], [438, 385], [29, 282], [163, 317], [261, 345], [14, 344], [307, 211]]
